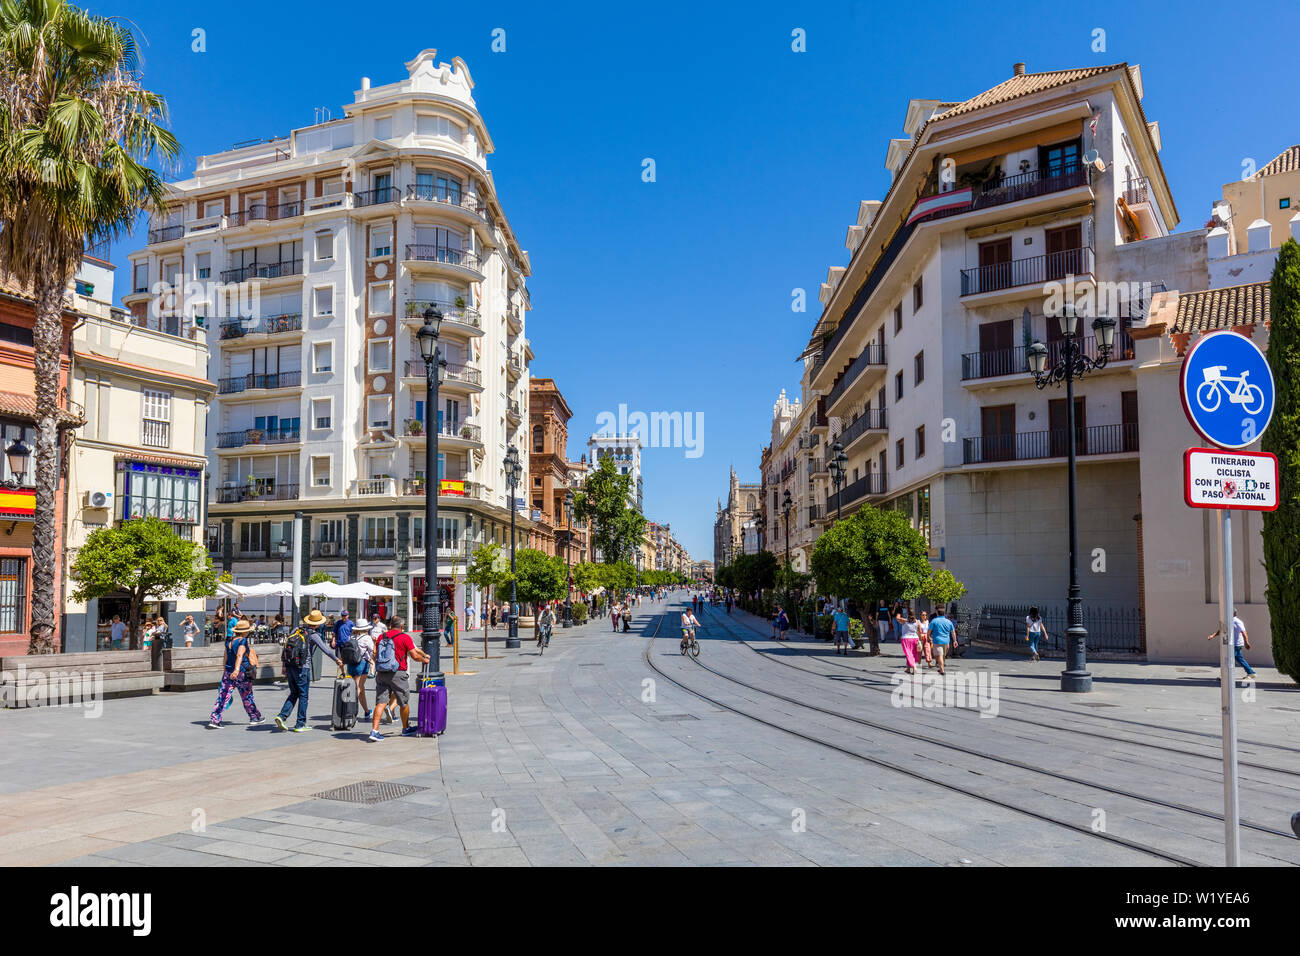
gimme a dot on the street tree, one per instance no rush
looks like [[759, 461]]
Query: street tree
[[870, 556], [1282, 438], [146, 559], [616, 528], [77, 134], [942, 587]]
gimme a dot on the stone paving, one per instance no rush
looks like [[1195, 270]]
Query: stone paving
[[586, 756]]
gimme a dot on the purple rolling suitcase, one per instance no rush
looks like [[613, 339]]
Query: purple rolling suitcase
[[432, 718]]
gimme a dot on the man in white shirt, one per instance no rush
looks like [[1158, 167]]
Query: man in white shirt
[[118, 632], [1240, 644], [689, 623]]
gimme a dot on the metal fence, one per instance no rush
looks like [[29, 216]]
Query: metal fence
[[1110, 629]]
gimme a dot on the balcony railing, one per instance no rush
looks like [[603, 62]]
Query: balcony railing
[[417, 368], [814, 512], [265, 213], [431, 192], [166, 233], [1036, 270], [261, 325], [1137, 190], [376, 197], [414, 487], [257, 491], [379, 548], [1053, 443], [1015, 361], [463, 430], [466, 315], [873, 484], [263, 270], [242, 383], [256, 436], [876, 418], [513, 408], [873, 354], [376, 486], [425, 252]]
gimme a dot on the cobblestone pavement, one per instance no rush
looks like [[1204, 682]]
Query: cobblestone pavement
[[589, 754]]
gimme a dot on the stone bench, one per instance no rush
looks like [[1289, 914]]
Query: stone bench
[[193, 668], [46, 678]]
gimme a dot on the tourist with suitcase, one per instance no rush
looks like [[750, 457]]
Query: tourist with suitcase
[[393, 649]]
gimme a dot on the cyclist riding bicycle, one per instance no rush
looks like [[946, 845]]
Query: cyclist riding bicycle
[[547, 622], [689, 623]]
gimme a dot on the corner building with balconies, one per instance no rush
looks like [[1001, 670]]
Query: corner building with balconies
[[1046, 182], [311, 258]]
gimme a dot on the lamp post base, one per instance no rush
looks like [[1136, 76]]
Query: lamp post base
[[1075, 679], [568, 613], [1076, 682], [512, 636]]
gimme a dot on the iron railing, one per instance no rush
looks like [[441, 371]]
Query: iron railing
[[166, 233], [263, 270], [1115, 629], [256, 436], [431, 192], [1137, 190], [1052, 443], [465, 315], [873, 484], [257, 491], [376, 197], [241, 383], [262, 325], [426, 252], [1015, 361], [872, 418], [1035, 270], [872, 354], [416, 368]]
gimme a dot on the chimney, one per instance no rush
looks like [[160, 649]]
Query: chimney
[[365, 82], [1216, 243], [1259, 236], [1018, 70]]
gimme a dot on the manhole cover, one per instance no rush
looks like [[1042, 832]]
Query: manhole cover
[[676, 717], [370, 791]]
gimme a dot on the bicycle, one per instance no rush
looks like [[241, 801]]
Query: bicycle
[[689, 642], [544, 639], [1241, 395]]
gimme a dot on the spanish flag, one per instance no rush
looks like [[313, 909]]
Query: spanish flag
[[17, 503]]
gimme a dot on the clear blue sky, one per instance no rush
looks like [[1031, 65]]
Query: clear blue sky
[[675, 295]]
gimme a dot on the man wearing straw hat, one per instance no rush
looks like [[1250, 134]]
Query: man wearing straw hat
[[296, 658]]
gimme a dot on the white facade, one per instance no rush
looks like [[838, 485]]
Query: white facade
[[311, 258], [625, 450]]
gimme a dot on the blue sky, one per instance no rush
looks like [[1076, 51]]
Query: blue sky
[[676, 295]]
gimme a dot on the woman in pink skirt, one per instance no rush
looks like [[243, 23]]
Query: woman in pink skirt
[[911, 637]]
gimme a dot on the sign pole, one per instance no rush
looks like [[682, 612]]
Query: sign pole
[[1227, 693]]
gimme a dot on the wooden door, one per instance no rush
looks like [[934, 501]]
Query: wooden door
[[1059, 429], [998, 433], [1063, 254], [996, 355], [995, 265]]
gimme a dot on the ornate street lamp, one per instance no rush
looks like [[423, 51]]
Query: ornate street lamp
[[19, 453], [514, 471], [430, 639], [837, 465], [786, 505], [1073, 364], [568, 561]]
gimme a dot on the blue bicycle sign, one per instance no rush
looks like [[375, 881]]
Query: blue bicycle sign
[[1227, 389]]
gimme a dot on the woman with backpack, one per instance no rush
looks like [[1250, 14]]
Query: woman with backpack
[[240, 669], [1034, 631], [296, 658]]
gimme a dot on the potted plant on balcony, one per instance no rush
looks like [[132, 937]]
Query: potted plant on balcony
[[460, 302], [412, 309], [466, 431], [253, 436], [414, 426]]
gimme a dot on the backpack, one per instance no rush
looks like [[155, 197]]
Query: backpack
[[349, 651], [295, 649], [385, 654]]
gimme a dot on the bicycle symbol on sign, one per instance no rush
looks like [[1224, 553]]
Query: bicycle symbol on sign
[[1250, 397]]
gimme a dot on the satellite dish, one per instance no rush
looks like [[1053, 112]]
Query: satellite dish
[[1093, 158]]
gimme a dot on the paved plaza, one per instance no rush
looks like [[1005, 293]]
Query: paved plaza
[[594, 754]]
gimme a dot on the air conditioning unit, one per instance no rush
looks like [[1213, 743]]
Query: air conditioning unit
[[329, 549], [98, 499]]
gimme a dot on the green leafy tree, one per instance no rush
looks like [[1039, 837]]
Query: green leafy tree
[[942, 587], [1282, 527], [322, 577], [76, 133], [538, 576], [586, 576], [146, 559], [489, 569], [616, 528], [755, 572], [872, 554]]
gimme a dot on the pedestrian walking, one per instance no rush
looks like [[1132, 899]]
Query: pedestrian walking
[[1240, 644], [189, 630], [925, 649], [941, 634], [365, 667], [910, 630], [237, 675], [841, 627], [613, 613], [884, 622], [1034, 631], [471, 616], [392, 651], [449, 629], [493, 613], [296, 658], [782, 624], [627, 616]]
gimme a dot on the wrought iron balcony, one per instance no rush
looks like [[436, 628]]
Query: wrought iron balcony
[[263, 270], [871, 419], [417, 368], [431, 192], [255, 380], [1014, 361], [261, 325], [873, 484], [166, 233], [465, 315], [376, 197], [257, 491], [1053, 443], [256, 436], [426, 252], [1036, 270], [872, 355], [1137, 190]]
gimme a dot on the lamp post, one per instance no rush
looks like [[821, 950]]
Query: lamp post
[[19, 453], [513, 472], [838, 463], [1073, 364], [568, 561], [430, 638], [786, 505], [283, 548]]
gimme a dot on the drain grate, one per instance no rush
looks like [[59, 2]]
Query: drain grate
[[675, 717], [370, 791]]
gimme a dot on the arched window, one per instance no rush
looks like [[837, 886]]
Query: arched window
[[537, 438], [750, 507]]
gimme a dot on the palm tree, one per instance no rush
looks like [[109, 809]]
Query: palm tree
[[76, 128]]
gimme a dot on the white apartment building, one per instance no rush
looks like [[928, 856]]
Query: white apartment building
[[1048, 182], [145, 393], [311, 257], [625, 450], [796, 454]]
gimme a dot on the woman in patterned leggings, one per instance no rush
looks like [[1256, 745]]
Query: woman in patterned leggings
[[238, 676]]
